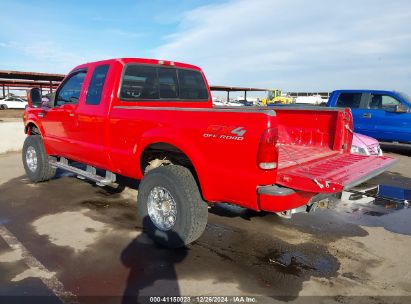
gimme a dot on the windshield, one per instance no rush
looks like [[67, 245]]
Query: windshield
[[405, 96]]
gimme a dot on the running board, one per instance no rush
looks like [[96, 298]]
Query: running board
[[89, 173]]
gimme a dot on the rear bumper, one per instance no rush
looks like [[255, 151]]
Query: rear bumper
[[278, 199], [294, 199]]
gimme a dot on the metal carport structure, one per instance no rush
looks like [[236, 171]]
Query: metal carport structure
[[229, 89], [16, 80]]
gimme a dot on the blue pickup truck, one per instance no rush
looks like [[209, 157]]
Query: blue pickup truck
[[384, 115]]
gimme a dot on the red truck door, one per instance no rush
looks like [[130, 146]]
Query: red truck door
[[60, 121], [91, 118]]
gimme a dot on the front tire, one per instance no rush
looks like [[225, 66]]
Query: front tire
[[36, 161], [170, 206]]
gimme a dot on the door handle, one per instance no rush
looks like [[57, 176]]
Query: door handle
[[366, 115], [71, 114]]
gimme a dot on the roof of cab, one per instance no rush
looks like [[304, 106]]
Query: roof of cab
[[125, 61], [363, 91]]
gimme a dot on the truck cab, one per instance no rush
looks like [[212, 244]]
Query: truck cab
[[384, 115]]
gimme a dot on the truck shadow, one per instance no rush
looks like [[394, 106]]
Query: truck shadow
[[152, 268]]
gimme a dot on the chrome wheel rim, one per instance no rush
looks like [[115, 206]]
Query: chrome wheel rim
[[31, 159], [162, 208]]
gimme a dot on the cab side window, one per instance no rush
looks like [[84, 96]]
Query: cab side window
[[71, 89], [96, 86], [383, 102], [349, 100]]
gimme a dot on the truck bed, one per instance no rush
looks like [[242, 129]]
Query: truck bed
[[305, 136], [313, 154], [291, 155]]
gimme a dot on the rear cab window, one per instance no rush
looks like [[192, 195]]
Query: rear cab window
[[157, 83], [192, 85], [139, 83], [349, 100], [168, 83]]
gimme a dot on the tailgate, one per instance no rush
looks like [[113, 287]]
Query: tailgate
[[333, 174]]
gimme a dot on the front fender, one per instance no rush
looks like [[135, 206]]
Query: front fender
[[32, 119], [32, 122]]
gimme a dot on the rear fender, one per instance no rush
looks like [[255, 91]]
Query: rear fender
[[181, 142]]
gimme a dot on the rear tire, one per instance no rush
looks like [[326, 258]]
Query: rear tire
[[170, 206], [36, 160]]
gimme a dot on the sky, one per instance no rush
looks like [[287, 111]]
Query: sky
[[294, 45]]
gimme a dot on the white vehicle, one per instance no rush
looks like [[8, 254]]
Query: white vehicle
[[234, 103], [12, 103], [314, 100], [218, 102]]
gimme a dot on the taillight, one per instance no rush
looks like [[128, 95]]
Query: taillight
[[267, 152]]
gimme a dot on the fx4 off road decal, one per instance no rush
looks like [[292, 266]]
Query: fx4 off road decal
[[225, 132]]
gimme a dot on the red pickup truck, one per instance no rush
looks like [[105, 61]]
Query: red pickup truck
[[153, 120]]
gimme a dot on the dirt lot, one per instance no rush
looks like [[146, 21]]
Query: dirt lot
[[11, 113], [69, 239]]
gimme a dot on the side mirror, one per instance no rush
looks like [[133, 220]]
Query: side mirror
[[401, 108], [51, 98], [34, 97]]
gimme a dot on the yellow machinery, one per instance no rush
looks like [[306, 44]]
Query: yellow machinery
[[277, 96]]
